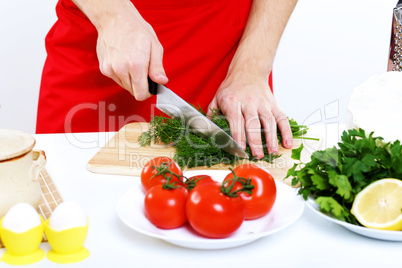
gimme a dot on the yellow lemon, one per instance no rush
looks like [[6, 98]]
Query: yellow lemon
[[379, 205]]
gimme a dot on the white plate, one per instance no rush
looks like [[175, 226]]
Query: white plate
[[369, 232], [287, 209]]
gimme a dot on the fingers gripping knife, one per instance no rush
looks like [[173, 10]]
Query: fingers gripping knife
[[395, 51]]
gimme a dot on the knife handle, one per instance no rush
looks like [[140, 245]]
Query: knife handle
[[152, 86]]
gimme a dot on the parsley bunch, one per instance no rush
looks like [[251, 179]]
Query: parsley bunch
[[193, 150], [334, 176]]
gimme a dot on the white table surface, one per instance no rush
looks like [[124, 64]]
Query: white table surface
[[309, 242]]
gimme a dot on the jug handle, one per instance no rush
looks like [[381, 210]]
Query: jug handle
[[39, 157]]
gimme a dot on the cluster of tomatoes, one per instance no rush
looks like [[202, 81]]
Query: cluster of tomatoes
[[212, 209]]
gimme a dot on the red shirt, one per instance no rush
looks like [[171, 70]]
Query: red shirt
[[199, 40]]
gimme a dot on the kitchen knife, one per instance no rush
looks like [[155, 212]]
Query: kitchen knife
[[174, 106]]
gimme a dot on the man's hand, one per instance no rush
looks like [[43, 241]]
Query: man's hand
[[127, 47], [249, 107]]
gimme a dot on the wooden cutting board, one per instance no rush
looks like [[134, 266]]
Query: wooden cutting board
[[123, 155]]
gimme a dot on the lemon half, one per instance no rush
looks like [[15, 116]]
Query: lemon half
[[379, 205]]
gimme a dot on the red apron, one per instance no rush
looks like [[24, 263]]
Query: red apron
[[199, 40]]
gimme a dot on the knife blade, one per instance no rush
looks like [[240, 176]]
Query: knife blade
[[174, 106]]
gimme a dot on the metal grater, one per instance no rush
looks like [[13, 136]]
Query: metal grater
[[395, 52]]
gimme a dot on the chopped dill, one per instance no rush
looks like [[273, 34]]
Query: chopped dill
[[193, 150]]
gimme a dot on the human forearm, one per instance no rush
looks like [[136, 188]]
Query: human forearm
[[244, 96], [102, 12], [258, 45]]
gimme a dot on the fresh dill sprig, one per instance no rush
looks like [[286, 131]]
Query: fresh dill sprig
[[193, 150]]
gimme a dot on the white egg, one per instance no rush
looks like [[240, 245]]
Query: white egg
[[21, 217], [67, 215]]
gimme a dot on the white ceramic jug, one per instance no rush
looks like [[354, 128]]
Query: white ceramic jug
[[19, 169]]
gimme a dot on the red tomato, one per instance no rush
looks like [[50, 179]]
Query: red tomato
[[197, 180], [213, 214], [262, 197], [166, 208], [150, 175]]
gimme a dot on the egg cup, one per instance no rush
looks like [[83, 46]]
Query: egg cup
[[22, 248], [67, 245]]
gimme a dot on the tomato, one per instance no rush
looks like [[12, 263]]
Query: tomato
[[262, 197], [197, 180], [212, 213], [157, 170], [166, 208]]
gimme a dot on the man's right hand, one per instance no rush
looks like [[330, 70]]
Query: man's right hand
[[128, 49]]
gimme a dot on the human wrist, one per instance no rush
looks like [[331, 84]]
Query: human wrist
[[252, 68], [249, 62]]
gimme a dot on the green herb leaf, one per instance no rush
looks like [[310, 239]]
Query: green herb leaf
[[291, 171], [319, 180], [330, 205], [342, 184], [296, 153]]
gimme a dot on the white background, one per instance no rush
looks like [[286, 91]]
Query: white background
[[328, 48]]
